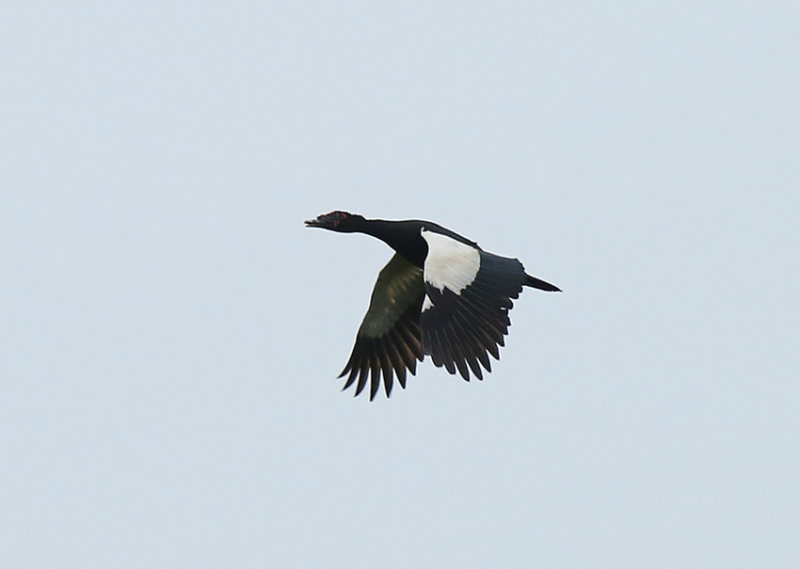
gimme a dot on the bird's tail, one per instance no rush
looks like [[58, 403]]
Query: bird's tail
[[540, 284]]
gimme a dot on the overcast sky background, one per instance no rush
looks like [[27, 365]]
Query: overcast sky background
[[171, 332]]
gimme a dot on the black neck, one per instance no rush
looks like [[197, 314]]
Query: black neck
[[402, 236]]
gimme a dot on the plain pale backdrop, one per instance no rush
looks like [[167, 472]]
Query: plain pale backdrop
[[171, 332]]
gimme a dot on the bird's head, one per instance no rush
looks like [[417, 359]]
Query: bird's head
[[337, 221]]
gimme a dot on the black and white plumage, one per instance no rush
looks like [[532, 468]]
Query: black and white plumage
[[439, 295]]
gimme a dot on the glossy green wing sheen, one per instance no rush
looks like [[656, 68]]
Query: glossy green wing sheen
[[389, 341], [398, 286]]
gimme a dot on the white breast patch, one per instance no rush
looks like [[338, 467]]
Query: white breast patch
[[449, 263]]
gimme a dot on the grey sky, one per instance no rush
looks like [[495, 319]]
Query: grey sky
[[171, 331]]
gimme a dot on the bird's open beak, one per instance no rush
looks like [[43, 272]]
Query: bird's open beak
[[328, 220]]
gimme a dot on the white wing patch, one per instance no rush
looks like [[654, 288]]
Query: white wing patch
[[426, 304], [449, 263]]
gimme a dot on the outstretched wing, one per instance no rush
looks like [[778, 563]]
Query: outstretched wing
[[389, 339], [468, 295]]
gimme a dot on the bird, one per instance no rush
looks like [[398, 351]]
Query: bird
[[440, 295]]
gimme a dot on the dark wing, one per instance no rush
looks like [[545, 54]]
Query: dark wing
[[460, 327], [389, 339]]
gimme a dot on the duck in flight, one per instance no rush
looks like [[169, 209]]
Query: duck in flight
[[440, 295]]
